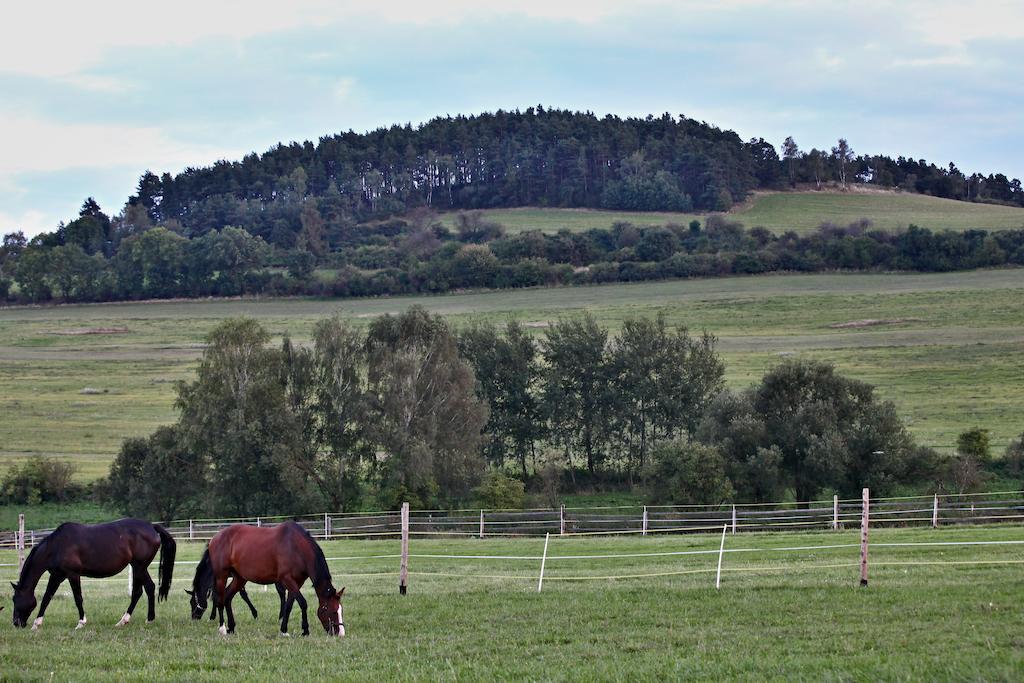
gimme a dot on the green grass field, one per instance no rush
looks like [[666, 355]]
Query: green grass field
[[929, 613], [801, 211], [951, 355]]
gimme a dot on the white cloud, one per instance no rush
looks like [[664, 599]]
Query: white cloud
[[343, 88], [34, 145], [30, 222], [38, 39], [108, 85], [956, 23]]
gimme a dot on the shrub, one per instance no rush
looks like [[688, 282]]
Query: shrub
[[500, 491], [687, 473], [974, 443], [1013, 460], [39, 480]]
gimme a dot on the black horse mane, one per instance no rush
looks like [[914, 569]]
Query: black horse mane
[[321, 572], [28, 562], [32, 553], [204, 574]]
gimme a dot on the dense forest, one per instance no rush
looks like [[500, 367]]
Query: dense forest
[[365, 205]]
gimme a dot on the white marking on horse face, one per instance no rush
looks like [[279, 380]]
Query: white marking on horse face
[[341, 622], [125, 619], [223, 630], [37, 623], [81, 622]]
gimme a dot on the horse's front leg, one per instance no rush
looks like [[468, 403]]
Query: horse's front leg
[[76, 590], [237, 584], [51, 588], [244, 594], [218, 600], [280, 597], [305, 621], [287, 609]]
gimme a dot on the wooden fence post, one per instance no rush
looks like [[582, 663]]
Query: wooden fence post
[[20, 542], [327, 526], [935, 512], [191, 531], [403, 571], [543, 560], [130, 580], [865, 507], [482, 524], [644, 533], [835, 513], [259, 522], [734, 519], [561, 521]]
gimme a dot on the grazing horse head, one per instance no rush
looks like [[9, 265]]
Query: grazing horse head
[[331, 613], [202, 586], [24, 604], [197, 601]]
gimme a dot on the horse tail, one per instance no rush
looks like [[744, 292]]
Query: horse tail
[[168, 549]]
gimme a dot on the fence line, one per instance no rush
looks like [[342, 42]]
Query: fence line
[[721, 552], [935, 510]]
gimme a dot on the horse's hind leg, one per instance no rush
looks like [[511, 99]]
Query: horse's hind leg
[[76, 590], [150, 588], [136, 594]]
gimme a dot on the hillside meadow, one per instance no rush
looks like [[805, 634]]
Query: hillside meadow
[[947, 348], [932, 612], [800, 211]]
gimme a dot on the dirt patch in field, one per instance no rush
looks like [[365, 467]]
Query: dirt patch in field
[[874, 322], [75, 331], [538, 325]]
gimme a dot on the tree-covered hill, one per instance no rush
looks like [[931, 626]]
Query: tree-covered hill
[[536, 157], [364, 207]]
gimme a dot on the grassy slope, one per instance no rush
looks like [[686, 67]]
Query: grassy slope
[[956, 361], [781, 211], [793, 618], [805, 211]]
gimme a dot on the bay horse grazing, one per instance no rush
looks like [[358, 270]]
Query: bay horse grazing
[[98, 550], [284, 554], [202, 589]]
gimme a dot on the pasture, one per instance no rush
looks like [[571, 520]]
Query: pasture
[[949, 348], [930, 612], [801, 211]]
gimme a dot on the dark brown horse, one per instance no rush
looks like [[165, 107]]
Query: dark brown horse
[[76, 550], [284, 554], [202, 589]]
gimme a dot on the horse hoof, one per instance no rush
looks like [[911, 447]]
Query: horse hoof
[[285, 634], [125, 619], [81, 622], [223, 630], [37, 623]]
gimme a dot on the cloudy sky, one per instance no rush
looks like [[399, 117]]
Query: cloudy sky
[[93, 94]]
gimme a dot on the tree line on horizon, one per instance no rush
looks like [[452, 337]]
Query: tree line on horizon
[[418, 254]]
